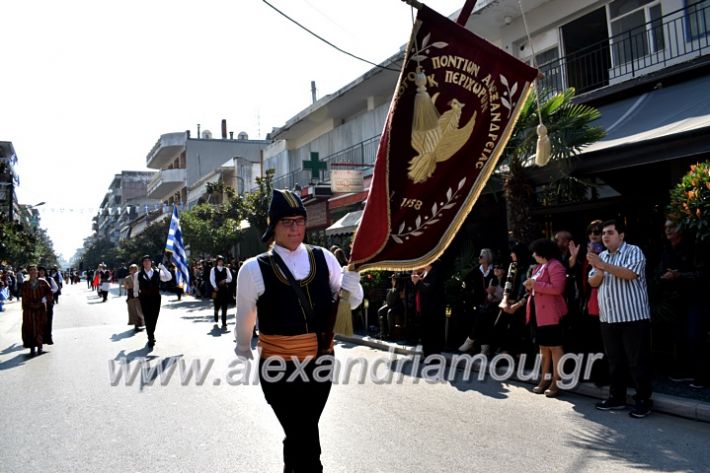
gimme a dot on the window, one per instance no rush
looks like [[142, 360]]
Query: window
[[549, 64], [698, 18], [636, 28]]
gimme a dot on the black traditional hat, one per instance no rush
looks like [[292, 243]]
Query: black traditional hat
[[146, 257], [219, 257], [284, 203]]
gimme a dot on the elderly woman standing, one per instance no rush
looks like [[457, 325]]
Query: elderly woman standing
[[36, 295], [135, 314], [545, 308]]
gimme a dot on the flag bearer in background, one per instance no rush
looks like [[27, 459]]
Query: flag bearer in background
[[147, 282]]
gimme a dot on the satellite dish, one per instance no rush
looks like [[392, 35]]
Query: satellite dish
[[206, 135], [242, 135]]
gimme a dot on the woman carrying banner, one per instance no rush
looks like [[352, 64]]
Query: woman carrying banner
[[295, 330]]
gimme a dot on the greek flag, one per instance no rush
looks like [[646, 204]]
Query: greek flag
[[177, 249]]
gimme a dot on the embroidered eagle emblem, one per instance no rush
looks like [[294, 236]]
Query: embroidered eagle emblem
[[440, 143]]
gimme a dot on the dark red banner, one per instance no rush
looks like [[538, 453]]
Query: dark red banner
[[456, 103]]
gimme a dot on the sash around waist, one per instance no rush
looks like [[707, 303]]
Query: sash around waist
[[287, 346]]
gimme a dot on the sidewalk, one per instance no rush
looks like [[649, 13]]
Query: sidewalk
[[668, 397]]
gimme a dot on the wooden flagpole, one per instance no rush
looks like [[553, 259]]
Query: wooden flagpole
[[466, 12]]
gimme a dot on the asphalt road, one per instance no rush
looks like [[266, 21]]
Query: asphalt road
[[60, 411]]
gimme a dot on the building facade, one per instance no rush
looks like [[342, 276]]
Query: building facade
[[643, 63], [186, 165], [125, 200], [9, 180]]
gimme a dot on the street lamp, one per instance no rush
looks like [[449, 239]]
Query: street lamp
[[37, 205]]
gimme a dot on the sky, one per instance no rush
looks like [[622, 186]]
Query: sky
[[89, 86]]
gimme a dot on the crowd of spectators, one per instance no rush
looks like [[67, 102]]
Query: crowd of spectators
[[545, 298]]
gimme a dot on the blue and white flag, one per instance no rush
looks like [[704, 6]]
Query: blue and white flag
[[176, 247]]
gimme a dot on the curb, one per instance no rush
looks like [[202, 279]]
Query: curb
[[664, 403]]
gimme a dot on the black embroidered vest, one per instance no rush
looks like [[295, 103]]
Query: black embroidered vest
[[149, 286], [279, 309]]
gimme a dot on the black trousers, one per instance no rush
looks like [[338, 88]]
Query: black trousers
[[628, 348], [150, 305], [221, 302], [298, 406]]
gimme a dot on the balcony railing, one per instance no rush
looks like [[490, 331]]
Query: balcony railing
[[361, 155], [671, 39]]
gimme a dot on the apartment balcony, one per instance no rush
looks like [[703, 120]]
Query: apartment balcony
[[359, 156], [670, 40], [166, 183], [167, 148]]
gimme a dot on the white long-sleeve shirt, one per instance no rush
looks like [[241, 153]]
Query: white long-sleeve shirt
[[164, 276], [213, 277], [250, 286]]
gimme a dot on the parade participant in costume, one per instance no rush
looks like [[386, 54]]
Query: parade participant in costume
[[42, 274], [293, 289], [35, 294], [220, 279], [135, 314], [105, 282], [147, 283], [59, 279]]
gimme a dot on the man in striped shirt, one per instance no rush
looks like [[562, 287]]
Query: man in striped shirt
[[624, 313]]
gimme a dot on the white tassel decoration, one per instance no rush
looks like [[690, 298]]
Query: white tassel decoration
[[543, 149]]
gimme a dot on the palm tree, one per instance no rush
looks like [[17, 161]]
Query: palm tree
[[570, 130]]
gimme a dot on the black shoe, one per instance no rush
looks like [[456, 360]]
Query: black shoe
[[151, 343], [224, 327], [32, 351], [641, 409], [610, 404]]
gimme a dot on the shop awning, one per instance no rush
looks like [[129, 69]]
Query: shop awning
[[347, 224], [665, 123]]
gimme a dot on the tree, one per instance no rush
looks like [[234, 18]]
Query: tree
[[257, 203], [570, 130], [150, 241], [97, 251], [690, 202], [21, 245]]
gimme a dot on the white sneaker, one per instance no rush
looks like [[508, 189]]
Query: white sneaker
[[467, 345]]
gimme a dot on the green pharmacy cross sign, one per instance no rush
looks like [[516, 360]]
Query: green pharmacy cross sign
[[315, 165]]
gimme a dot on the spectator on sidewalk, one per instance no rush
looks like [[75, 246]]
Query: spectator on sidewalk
[[681, 280], [479, 287], [545, 308], [430, 306], [624, 314]]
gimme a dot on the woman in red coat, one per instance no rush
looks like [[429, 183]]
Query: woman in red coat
[[545, 308]]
